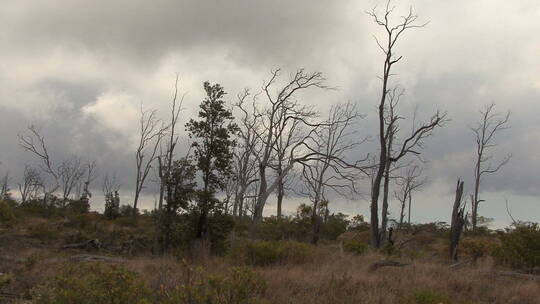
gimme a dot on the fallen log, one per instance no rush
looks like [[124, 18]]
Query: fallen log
[[96, 258], [459, 264], [518, 275], [90, 244], [385, 263]]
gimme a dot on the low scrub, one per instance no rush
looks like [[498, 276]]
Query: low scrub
[[44, 231], [239, 285], [264, 253], [355, 247], [520, 247], [426, 296], [477, 248], [7, 217], [92, 283]]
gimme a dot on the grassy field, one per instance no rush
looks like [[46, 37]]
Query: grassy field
[[34, 257]]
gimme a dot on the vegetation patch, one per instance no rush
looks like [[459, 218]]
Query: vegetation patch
[[264, 253]]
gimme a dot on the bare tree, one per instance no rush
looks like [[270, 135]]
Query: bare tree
[[408, 182], [110, 184], [70, 171], [152, 132], [35, 144], [283, 123], [246, 151], [90, 175], [328, 169], [410, 144], [485, 131], [4, 187], [30, 185]]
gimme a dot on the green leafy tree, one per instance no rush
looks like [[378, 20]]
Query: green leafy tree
[[213, 146], [180, 181], [112, 205]]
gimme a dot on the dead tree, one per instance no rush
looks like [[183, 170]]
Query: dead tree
[[457, 222], [4, 187], [246, 152], [328, 168], [90, 175], [110, 188], [31, 183], [152, 132], [165, 164], [70, 172], [285, 121], [35, 144], [387, 131], [485, 131], [407, 183]]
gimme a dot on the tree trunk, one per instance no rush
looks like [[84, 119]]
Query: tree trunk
[[280, 195], [457, 222], [262, 195], [384, 213]]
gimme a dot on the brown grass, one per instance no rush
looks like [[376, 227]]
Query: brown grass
[[330, 276]]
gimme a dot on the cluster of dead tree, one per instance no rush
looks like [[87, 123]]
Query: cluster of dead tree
[[277, 140]]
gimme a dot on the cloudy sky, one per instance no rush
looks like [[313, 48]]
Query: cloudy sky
[[79, 70]]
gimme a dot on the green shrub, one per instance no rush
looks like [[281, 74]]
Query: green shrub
[[426, 296], [241, 285], [44, 231], [263, 253], [520, 247], [355, 247], [5, 279], [92, 283], [274, 229], [477, 248], [7, 217], [31, 261]]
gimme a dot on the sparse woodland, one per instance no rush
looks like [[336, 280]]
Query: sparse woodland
[[210, 237]]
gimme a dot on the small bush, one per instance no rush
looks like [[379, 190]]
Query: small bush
[[31, 261], [240, 285], [7, 217], [477, 248], [5, 279], [44, 232], [264, 253], [92, 283], [520, 247], [426, 296], [78, 206], [355, 247]]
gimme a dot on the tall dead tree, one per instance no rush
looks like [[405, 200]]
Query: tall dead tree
[[31, 184], [286, 121], [328, 168], [165, 164], [485, 131], [246, 152], [151, 133], [410, 144], [457, 222]]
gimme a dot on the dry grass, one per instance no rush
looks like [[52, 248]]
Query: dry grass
[[328, 277], [333, 277]]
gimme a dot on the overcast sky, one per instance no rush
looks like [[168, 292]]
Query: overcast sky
[[79, 70]]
